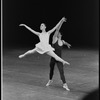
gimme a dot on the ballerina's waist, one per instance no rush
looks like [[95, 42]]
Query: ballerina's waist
[[45, 42]]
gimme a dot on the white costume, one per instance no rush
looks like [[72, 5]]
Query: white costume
[[44, 46]]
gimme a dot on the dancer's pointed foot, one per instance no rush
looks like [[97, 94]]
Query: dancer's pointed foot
[[65, 62], [49, 82], [21, 56], [66, 87]]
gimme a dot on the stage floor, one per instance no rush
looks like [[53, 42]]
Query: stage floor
[[25, 79]]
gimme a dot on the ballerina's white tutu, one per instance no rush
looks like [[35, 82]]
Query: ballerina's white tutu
[[44, 46]]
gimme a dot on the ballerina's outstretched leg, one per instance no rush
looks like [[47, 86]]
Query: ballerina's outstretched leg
[[51, 53], [27, 53]]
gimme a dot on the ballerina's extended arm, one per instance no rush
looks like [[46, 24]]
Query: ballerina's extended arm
[[36, 33], [52, 30], [58, 28]]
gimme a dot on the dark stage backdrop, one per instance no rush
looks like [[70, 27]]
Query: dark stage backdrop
[[80, 30]]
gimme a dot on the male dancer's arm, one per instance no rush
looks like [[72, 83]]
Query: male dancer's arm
[[66, 43]]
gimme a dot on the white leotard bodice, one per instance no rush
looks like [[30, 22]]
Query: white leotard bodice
[[44, 38], [44, 46]]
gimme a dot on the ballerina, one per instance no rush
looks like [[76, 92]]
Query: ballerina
[[43, 46]]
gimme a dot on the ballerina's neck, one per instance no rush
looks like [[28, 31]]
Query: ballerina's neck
[[43, 31]]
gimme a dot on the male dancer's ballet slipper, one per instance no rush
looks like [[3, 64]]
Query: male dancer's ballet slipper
[[49, 82], [66, 87]]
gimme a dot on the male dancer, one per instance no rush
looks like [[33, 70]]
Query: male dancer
[[57, 44]]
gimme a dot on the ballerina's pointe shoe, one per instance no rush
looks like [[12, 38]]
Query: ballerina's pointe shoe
[[21, 56], [66, 87], [49, 82], [66, 63]]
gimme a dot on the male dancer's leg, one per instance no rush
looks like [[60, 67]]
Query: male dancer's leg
[[52, 64], [61, 71]]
